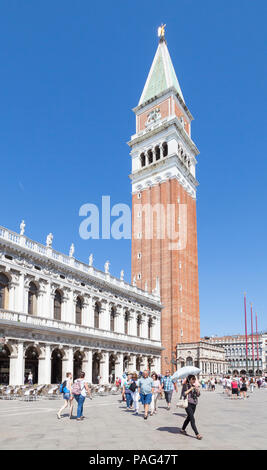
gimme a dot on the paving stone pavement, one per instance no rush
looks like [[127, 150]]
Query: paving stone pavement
[[224, 424]]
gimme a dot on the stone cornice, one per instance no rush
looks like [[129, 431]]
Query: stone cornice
[[164, 164], [159, 127], [67, 335]]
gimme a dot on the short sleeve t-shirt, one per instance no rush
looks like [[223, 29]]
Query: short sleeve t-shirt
[[156, 385], [82, 382], [127, 384], [234, 384], [145, 385]]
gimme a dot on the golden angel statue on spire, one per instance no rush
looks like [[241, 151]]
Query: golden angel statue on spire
[[161, 31]]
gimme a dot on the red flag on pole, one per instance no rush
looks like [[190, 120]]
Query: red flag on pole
[[252, 334], [257, 338], [246, 331]]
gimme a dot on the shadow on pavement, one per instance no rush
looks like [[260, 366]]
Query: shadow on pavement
[[173, 431]]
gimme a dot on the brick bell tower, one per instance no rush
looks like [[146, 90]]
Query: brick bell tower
[[164, 248]]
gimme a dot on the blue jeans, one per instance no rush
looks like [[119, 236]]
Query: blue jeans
[[80, 400], [129, 400]]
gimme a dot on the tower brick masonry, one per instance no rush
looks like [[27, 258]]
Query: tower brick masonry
[[163, 177]]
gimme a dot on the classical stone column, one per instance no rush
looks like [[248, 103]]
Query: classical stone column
[[158, 365], [104, 366], [87, 311], [144, 326], [88, 365], [44, 370], [119, 365], [104, 315], [17, 365], [20, 292], [67, 362], [161, 150], [67, 306], [132, 363], [143, 363], [13, 288], [71, 307], [50, 300], [157, 329], [119, 319], [132, 328]]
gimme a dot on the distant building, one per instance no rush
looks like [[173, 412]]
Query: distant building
[[206, 355], [235, 353]]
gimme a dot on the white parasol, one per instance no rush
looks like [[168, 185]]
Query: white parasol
[[185, 371]]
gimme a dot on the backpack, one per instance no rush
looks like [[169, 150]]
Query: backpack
[[133, 387], [76, 388], [62, 386]]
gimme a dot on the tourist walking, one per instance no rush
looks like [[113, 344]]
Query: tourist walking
[[79, 390], [65, 388], [126, 391], [168, 384], [243, 387], [228, 385], [212, 383], [156, 394], [134, 392], [251, 385], [259, 383], [145, 389], [191, 393], [235, 388]]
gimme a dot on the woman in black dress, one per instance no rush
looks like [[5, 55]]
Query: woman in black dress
[[192, 393]]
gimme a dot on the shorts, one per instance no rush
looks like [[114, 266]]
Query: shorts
[[66, 396], [234, 391], [168, 395], [146, 399], [243, 389]]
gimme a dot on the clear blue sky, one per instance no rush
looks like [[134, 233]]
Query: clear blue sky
[[70, 74]]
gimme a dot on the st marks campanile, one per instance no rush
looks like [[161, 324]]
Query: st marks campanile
[[164, 180]]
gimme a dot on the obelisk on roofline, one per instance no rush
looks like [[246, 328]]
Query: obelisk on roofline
[[163, 176]]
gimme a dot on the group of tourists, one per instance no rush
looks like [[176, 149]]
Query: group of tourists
[[77, 390], [147, 388], [237, 387]]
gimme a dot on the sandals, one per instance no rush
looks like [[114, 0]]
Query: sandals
[[199, 437]]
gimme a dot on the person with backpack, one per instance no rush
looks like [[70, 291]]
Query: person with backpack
[[133, 387], [127, 392], [65, 388], [79, 390]]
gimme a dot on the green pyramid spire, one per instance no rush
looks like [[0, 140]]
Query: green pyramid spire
[[161, 75]]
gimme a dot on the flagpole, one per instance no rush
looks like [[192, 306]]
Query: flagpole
[[252, 340], [246, 331], [257, 339]]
